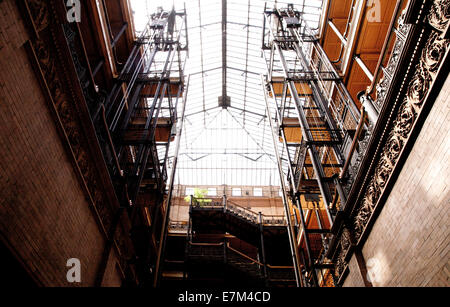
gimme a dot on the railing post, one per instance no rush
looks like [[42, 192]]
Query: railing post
[[263, 250], [225, 258], [164, 230], [224, 200], [340, 191], [290, 229], [190, 226], [186, 247]]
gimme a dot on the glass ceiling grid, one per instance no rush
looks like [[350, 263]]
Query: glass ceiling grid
[[230, 146]]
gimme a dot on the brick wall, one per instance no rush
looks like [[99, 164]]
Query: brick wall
[[45, 216], [409, 244]]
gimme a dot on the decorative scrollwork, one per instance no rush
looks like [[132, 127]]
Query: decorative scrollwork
[[353, 169], [417, 91], [417, 88], [344, 246], [339, 265], [49, 56], [395, 56], [381, 89], [434, 52], [439, 14], [40, 13], [385, 82]]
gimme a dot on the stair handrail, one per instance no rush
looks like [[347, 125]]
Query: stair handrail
[[178, 225], [280, 267], [251, 214], [205, 202], [244, 255], [268, 220], [265, 217], [259, 263], [234, 207], [206, 244]]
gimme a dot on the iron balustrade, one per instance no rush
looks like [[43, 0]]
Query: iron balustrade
[[238, 210], [221, 252], [374, 98], [178, 226]]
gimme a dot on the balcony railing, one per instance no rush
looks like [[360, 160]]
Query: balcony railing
[[178, 226], [238, 210], [376, 92], [392, 48]]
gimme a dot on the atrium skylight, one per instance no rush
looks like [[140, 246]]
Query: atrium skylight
[[230, 145]]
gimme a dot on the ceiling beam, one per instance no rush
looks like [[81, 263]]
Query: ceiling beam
[[201, 60], [246, 62], [224, 49], [224, 101]]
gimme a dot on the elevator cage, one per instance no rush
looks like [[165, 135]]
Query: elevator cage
[[313, 120]]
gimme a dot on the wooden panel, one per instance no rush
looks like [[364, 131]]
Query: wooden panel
[[149, 90], [118, 15], [317, 127], [358, 80], [373, 32], [292, 134], [331, 43], [338, 13], [162, 132], [303, 89], [339, 9]]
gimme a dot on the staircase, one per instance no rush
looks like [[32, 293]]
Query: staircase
[[238, 211], [224, 216], [238, 265], [217, 217], [252, 217], [281, 277], [250, 267]]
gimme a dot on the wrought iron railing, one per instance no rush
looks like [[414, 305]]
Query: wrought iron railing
[[415, 59], [238, 259], [242, 212], [392, 48], [238, 210], [388, 64], [199, 202], [178, 226]]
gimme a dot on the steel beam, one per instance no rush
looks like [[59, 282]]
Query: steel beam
[[306, 132], [163, 238], [290, 228], [291, 178]]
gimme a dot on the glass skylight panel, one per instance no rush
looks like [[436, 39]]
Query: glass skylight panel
[[225, 146]]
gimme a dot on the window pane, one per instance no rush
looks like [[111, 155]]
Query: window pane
[[212, 192], [257, 192], [236, 192], [189, 191]]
